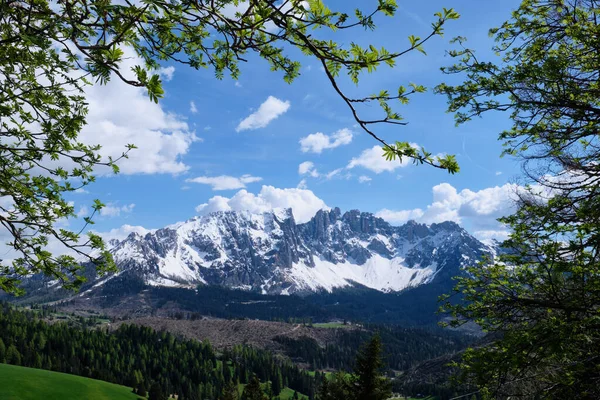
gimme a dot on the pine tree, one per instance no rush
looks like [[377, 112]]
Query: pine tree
[[336, 387], [277, 385], [141, 389], [13, 356], [230, 392], [2, 351], [156, 392], [253, 390], [367, 382]]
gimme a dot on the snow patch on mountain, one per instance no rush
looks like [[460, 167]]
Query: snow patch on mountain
[[377, 273], [270, 253]]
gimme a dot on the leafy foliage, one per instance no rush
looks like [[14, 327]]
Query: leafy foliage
[[50, 51], [541, 299]]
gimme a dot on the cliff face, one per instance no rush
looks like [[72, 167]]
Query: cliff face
[[272, 254]]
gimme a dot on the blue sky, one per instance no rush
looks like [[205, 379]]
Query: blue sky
[[186, 152]]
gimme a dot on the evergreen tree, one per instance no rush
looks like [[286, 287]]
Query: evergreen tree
[[2, 351], [230, 392], [367, 382], [253, 390], [336, 387], [156, 392], [13, 356], [141, 389], [277, 384]]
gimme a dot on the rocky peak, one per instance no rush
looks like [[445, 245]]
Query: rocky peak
[[319, 225], [449, 226], [269, 252], [412, 231], [365, 222]]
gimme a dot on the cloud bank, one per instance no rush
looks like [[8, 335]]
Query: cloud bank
[[303, 202], [478, 209], [225, 182]]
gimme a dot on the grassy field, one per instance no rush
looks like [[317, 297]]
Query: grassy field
[[287, 393], [20, 383], [331, 325]]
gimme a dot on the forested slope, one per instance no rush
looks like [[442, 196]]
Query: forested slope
[[138, 356]]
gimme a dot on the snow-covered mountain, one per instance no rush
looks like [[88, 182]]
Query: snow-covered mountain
[[272, 254]]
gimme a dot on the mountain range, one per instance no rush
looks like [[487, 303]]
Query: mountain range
[[270, 253]]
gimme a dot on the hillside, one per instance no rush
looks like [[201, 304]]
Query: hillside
[[313, 347], [222, 333], [20, 383], [127, 298], [140, 357]]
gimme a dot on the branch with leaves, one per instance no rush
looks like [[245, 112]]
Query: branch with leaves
[[50, 51], [540, 299]]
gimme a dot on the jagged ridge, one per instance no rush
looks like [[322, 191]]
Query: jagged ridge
[[271, 253]]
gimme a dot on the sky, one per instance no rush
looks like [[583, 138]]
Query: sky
[[259, 143]]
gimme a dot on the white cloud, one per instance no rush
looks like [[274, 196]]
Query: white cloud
[[364, 179], [317, 142], [267, 112], [498, 173], [167, 72], [57, 248], [238, 84], [478, 210], [303, 202], [334, 173], [83, 212], [490, 235], [124, 231], [308, 168], [9, 254], [193, 108], [111, 210], [302, 184], [80, 191], [372, 159], [400, 217], [225, 182], [120, 114]]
